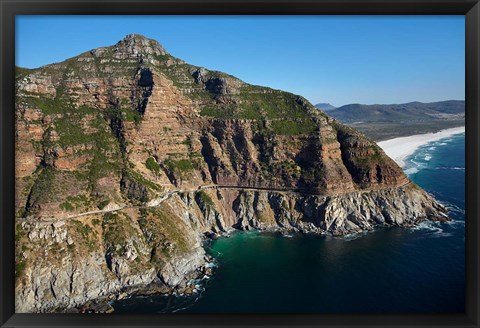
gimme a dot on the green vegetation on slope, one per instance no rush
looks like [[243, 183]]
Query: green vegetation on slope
[[117, 231], [179, 166], [152, 165], [160, 227], [204, 199]]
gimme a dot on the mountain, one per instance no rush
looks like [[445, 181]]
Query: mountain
[[401, 112], [126, 156], [381, 122], [325, 107]]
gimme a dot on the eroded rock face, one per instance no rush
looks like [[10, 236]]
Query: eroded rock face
[[113, 145], [68, 263]]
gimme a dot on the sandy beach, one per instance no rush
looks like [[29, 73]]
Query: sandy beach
[[400, 148]]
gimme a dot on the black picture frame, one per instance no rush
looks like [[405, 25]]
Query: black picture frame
[[10, 8]]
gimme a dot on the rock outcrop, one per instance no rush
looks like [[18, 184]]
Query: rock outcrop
[[126, 156]]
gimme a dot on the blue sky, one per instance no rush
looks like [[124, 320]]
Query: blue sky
[[335, 59]]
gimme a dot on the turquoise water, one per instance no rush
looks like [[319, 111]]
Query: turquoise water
[[389, 270]]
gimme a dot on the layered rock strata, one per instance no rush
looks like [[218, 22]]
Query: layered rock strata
[[126, 156]]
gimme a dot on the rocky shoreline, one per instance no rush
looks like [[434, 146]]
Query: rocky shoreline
[[156, 287], [110, 165], [128, 272], [188, 285]]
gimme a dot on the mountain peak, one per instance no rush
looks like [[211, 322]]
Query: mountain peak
[[138, 45], [136, 38], [325, 106]]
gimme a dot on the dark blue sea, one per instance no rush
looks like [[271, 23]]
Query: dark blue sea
[[390, 270]]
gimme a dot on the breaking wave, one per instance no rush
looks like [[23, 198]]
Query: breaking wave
[[450, 168], [353, 236], [411, 171], [434, 228]]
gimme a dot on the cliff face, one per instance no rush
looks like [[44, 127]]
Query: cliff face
[[126, 155]]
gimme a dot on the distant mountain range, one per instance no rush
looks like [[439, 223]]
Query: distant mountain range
[[413, 111], [325, 107], [127, 155], [381, 122]]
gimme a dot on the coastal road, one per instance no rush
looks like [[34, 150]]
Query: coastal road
[[158, 201]]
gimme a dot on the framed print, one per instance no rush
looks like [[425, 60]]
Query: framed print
[[216, 164]]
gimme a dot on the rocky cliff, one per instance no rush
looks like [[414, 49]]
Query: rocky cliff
[[127, 155]]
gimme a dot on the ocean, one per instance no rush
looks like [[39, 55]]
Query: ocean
[[389, 270]]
